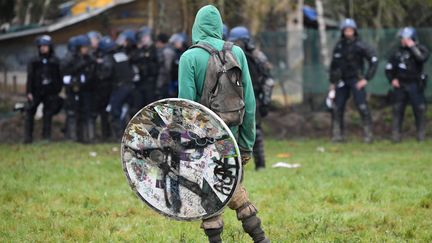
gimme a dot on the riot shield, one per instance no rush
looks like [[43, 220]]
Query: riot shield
[[181, 159]]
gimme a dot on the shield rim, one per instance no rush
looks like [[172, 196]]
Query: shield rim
[[238, 179]]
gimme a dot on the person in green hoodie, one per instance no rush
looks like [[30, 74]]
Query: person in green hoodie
[[207, 29]]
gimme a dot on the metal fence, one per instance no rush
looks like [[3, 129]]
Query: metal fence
[[314, 78], [315, 74]]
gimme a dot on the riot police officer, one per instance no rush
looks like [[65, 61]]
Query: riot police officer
[[104, 81], [259, 69], [347, 75], [404, 70], [178, 41], [124, 74], [144, 58], [43, 86], [80, 91], [166, 57], [71, 89]]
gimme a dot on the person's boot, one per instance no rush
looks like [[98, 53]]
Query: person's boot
[[214, 235], [367, 123], [213, 228], [247, 214], [83, 131], [46, 129], [397, 120], [337, 127], [28, 128], [72, 127], [421, 123], [91, 130], [396, 129], [368, 135], [105, 126], [116, 129], [258, 150]]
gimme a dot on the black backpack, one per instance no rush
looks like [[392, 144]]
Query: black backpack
[[223, 90]]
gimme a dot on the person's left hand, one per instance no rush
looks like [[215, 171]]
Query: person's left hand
[[361, 84], [245, 156]]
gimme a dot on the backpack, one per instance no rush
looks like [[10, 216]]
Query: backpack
[[223, 89]]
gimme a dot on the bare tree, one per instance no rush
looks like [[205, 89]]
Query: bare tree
[[295, 53], [322, 33], [44, 10]]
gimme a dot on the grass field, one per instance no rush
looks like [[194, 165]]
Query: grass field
[[348, 193]]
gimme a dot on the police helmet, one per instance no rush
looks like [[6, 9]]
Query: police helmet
[[348, 23], [239, 33], [94, 34], [106, 44], [72, 43], [178, 37], [128, 35], [44, 40], [82, 40], [408, 32], [143, 31]]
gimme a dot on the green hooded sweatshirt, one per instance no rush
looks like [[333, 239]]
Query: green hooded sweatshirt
[[192, 70]]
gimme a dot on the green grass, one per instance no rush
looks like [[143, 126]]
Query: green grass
[[349, 193]]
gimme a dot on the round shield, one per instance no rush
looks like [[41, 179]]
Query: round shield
[[181, 159]]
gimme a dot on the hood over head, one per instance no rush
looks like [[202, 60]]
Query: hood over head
[[208, 24]]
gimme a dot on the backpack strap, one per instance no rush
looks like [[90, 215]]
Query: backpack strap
[[206, 47], [227, 46]]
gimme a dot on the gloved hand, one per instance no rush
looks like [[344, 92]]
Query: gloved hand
[[245, 156]]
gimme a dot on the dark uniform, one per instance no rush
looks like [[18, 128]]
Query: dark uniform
[[259, 69], [346, 69], [71, 89], [104, 73], [145, 58], [80, 90], [406, 66], [166, 57], [122, 85], [178, 42], [43, 86]]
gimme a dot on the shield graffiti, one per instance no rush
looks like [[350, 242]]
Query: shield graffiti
[[181, 159]]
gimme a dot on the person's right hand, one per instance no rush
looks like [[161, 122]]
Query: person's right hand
[[332, 87], [395, 83], [30, 97]]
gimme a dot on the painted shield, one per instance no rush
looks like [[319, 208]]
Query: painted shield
[[181, 159]]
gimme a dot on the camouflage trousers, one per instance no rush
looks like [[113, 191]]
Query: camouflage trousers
[[239, 202]]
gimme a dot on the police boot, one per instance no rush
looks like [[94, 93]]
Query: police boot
[[258, 150], [368, 135], [421, 123], [46, 129], [337, 127], [396, 129], [28, 128], [397, 122], [251, 223], [116, 129], [91, 130], [105, 126], [71, 128], [367, 123], [84, 131], [213, 228]]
